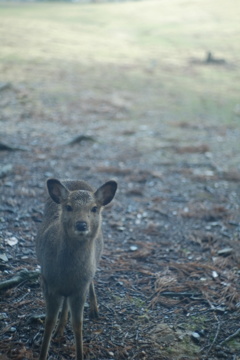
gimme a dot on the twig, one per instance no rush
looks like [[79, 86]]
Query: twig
[[214, 340], [230, 337], [178, 294], [218, 329], [108, 308], [216, 335]]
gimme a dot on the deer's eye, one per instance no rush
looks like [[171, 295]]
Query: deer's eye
[[69, 208], [94, 209]]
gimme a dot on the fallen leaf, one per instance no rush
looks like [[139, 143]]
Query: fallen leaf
[[3, 257], [12, 241]]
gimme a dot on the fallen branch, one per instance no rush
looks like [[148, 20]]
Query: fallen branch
[[179, 294], [21, 276], [5, 147], [230, 337], [81, 138]]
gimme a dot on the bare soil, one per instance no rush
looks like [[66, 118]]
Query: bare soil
[[168, 283]]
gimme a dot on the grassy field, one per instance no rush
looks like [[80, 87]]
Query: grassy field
[[154, 50]]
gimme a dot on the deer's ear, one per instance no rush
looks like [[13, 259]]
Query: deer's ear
[[57, 190], [106, 192]]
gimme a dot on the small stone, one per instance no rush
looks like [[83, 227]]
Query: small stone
[[3, 316], [121, 228], [225, 252], [195, 336], [220, 309], [5, 170]]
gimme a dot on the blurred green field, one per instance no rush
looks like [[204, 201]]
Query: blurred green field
[[154, 50]]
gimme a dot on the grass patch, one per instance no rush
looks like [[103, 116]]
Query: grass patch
[[186, 347], [234, 345], [197, 323]]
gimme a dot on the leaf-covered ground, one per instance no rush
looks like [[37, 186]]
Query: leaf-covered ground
[[168, 282]]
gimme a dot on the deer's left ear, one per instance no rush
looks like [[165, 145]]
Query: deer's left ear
[[106, 192], [57, 190]]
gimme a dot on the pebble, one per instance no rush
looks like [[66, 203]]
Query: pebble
[[225, 252], [3, 316], [195, 336]]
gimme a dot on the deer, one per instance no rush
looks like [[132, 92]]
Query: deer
[[69, 244]]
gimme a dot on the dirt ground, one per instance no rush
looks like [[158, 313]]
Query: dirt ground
[[168, 283]]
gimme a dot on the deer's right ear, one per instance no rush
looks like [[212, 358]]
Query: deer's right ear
[[57, 190], [106, 192]]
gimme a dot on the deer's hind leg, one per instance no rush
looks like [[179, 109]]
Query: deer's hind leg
[[93, 313]]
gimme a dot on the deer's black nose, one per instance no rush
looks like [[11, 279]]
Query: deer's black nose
[[81, 226]]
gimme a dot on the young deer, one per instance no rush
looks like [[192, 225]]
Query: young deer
[[69, 245]]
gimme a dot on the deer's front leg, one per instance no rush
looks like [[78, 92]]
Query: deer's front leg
[[76, 304], [53, 303]]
